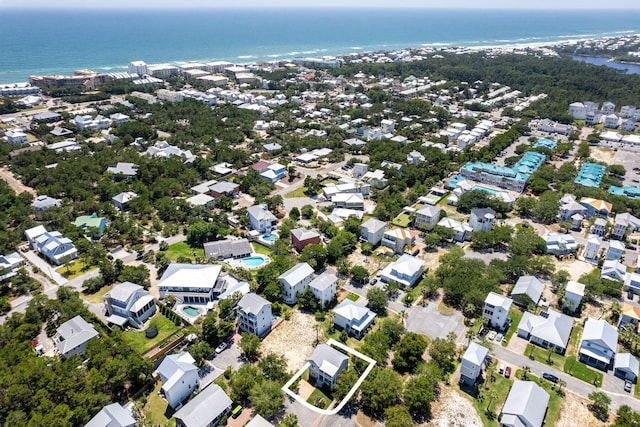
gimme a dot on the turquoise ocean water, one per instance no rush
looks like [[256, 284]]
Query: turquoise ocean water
[[58, 42]]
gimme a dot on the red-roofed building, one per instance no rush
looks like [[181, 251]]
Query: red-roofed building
[[261, 166], [301, 237]]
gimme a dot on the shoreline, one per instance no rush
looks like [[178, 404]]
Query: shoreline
[[435, 47]]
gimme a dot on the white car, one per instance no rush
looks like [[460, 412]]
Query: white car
[[491, 335], [222, 347]]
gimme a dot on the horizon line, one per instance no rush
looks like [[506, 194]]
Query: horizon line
[[304, 7]]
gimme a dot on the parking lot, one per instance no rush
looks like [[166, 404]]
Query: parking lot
[[229, 357], [428, 321]]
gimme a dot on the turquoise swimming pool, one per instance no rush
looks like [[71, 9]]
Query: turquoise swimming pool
[[269, 237], [191, 311], [487, 189], [254, 261]]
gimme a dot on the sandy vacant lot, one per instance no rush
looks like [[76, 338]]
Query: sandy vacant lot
[[575, 412], [604, 154], [453, 410], [294, 339]]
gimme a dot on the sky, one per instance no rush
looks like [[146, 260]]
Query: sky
[[198, 4]]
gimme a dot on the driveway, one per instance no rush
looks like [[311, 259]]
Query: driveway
[[47, 269], [429, 321], [228, 358]]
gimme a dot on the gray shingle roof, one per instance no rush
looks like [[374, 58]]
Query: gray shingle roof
[[323, 281], [228, 248], [205, 407], [252, 303], [526, 401], [530, 286], [475, 354], [75, 332]]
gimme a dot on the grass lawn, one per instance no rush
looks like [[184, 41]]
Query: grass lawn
[[157, 411], [498, 387], [445, 309], [319, 399], [98, 297], [574, 340], [260, 249], [555, 398], [141, 343], [543, 356], [577, 369], [353, 297], [298, 192], [329, 181], [515, 315], [402, 220], [182, 249], [74, 269]]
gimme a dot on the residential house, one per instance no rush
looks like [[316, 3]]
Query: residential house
[[254, 314], [201, 200], [348, 201], [511, 178], [114, 415], [206, 409], [496, 310], [568, 210], [16, 136], [482, 219], [406, 271], [324, 288], [626, 367], [72, 337], [548, 329], [91, 223], [124, 170], [526, 405], [398, 239], [258, 421], [261, 219], [616, 250], [599, 226], [613, 270], [590, 175], [353, 318], [301, 237], [224, 188], [274, 172], [179, 377], [611, 121], [560, 244], [632, 282], [129, 303], [591, 250], [118, 118], [573, 294], [461, 230], [42, 203], [191, 283], [228, 248], [596, 207], [599, 343], [624, 222], [325, 365], [295, 280], [33, 233], [55, 248], [427, 217], [473, 363], [528, 290], [10, 264], [608, 107], [372, 231], [630, 315], [121, 201]]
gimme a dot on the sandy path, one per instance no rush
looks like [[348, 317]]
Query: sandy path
[[14, 183]]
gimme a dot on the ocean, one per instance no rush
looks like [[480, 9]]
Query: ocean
[[59, 42]]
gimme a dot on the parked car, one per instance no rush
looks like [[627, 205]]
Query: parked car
[[550, 377], [222, 347], [627, 386], [491, 335], [507, 372], [501, 369], [499, 337]]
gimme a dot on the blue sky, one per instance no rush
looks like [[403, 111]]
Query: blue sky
[[463, 4]]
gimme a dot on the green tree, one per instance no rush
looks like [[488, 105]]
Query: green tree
[[200, 351], [315, 255], [419, 393], [267, 398], [307, 211], [381, 390], [408, 352], [345, 383], [294, 213], [308, 300], [600, 404], [243, 381], [273, 367], [250, 345], [359, 274], [443, 353], [378, 300], [289, 420], [397, 416]]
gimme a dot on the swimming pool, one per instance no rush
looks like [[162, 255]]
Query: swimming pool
[[269, 237], [253, 261], [191, 311], [488, 190]]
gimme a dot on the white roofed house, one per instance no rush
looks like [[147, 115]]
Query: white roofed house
[[496, 310], [9, 264], [526, 405], [190, 283], [461, 230], [626, 367], [295, 280], [73, 336], [406, 271], [113, 415], [427, 217], [123, 170], [129, 303], [206, 409], [353, 318], [55, 248], [615, 251], [599, 343], [228, 248], [548, 329], [482, 219], [261, 219], [325, 365], [624, 222], [323, 288], [473, 363], [613, 270], [254, 314], [179, 377], [42, 203], [591, 250], [121, 201], [372, 231], [528, 290], [560, 244], [573, 294]]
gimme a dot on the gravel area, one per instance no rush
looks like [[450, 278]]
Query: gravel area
[[294, 339], [453, 410]]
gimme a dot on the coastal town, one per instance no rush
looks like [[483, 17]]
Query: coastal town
[[378, 238]]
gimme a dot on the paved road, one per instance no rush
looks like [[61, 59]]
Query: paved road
[[573, 384]]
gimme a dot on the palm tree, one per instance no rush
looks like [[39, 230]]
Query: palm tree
[[469, 335], [403, 316], [492, 395], [525, 372], [561, 383]]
